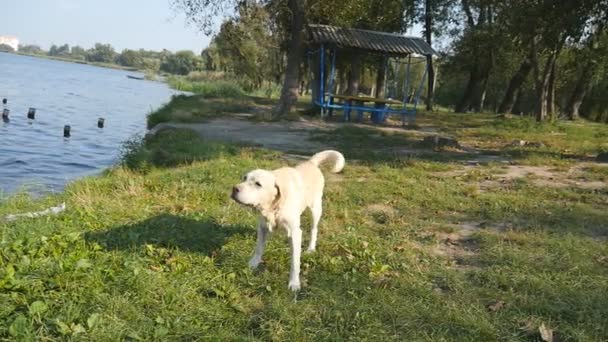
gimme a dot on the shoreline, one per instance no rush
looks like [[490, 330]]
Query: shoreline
[[77, 61], [157, 77]]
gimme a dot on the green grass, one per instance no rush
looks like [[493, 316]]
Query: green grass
[[197, 108], [155, 250], [207, 89]]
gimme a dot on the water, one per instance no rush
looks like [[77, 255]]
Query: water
[[34, 156]]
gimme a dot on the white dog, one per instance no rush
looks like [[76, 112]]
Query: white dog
[[281, 196]]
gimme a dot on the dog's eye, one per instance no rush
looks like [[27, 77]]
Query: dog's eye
[[258, 184]]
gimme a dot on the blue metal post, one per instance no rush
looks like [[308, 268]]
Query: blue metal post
[[322, 80], [310, 74]]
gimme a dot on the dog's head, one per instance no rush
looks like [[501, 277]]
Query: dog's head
[[258, 189]]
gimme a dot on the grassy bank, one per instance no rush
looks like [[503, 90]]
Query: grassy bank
[[79, 61], [418, 247]]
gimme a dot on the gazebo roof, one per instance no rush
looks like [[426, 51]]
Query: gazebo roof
[[381, 42]]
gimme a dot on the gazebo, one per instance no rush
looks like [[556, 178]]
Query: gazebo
[[328, 41]]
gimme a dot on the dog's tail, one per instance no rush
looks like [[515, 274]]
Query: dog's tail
[[336, 157]]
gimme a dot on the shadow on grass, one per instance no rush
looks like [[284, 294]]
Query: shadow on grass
[[168, 231], [371, 146], [173, 147]]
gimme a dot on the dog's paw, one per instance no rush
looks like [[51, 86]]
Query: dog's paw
[[309, 250], [255, 262], [294, 286]]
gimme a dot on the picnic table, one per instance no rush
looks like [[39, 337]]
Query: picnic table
[[359, 101]]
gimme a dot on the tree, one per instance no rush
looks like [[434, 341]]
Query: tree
[[245, 46], [544, 28], [130, 58], [295, 50], [428, 33], [181, 63], [31, 49], [590, 57], [6, 48], [477, 49], [103, 53], [78, 53], [60, 51]]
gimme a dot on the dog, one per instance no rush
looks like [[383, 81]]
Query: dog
[[281, 196]]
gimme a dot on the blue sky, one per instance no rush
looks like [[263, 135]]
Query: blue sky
[[149, 24]]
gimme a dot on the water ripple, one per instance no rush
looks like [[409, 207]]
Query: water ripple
[[33, 154]]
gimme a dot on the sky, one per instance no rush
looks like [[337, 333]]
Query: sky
[[133, 24]]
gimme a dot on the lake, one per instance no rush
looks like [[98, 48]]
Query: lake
[[34, 155]]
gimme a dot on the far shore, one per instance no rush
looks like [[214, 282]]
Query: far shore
[[158, 77]]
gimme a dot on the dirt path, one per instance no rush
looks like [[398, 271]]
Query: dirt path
[[294, 137], [282, 136]]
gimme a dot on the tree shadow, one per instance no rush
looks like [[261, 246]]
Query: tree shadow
[[368, 145], [168, 231]]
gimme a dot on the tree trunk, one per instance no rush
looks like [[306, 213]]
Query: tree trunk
[[289, 92], [517, 106], [543, 88], [381, 79], [428, 32], [472, 92], [355, 75], [342, 81], [518, 79], [583, 84], [465, 103], [551, 109], [480, 95]]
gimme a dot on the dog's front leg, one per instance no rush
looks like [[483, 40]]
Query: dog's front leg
[[295, 242], [259, 248]]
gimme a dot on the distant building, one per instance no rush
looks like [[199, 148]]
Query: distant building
[[10, 41]]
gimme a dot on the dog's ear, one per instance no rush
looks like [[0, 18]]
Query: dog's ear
[[280, 187], [277, 197]]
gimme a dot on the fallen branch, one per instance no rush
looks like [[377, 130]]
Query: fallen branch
[[50, 211]]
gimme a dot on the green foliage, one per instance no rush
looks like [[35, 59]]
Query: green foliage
[[181, 63], [247, 47], [103, 53], [131, 58], [207, 89], [6, 48], [31, 49], [78, 53], [59, 51]]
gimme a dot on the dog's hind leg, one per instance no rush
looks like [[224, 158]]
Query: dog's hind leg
[[259, 248], [316, 210], [295, 241]]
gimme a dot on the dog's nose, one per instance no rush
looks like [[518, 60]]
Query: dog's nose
[[235, 190]]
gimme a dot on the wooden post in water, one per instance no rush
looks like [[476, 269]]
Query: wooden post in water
[[66, 131], [100, 122], [31, 113], [5, 113]]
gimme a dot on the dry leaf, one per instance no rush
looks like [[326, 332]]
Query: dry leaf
[[496, 305], [546, 334]]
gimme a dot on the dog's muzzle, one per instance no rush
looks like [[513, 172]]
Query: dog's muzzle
[[235, 193]]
